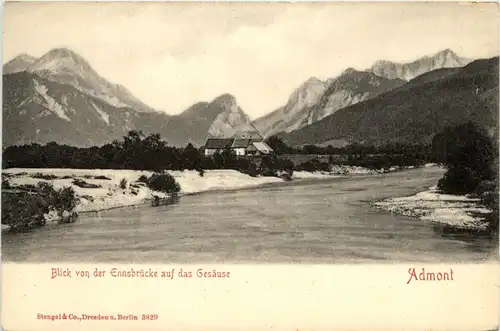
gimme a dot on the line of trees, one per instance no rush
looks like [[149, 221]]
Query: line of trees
[[137, 152], [140, 152], [424, 150]]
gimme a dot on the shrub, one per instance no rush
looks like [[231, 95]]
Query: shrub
[[143, 179], [66, 199], [271, 165], [102, 177], [44, 176], [5, 183], [252, 170], [123, 184], [83, 184], [24, 211], [469, 155], [45, 188], [201, 172], [163, 182], [247, 167], [27, 187], [62, 199], [458, 180], [313, 165], [491, 200]]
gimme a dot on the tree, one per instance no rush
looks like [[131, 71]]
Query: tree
[[468, 154], [191, 158], [225, 160], [277, 144]]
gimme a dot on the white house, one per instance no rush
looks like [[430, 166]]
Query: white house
[[241, 147], [217, 145]]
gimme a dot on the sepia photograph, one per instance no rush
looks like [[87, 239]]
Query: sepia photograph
[[250, 133]]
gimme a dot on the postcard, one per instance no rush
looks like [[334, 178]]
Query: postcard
[[250, 166]]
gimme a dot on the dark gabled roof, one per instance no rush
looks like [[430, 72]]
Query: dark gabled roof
[[218, 143], [241, 143]]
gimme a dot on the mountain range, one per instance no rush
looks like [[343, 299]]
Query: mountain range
[[315, 99], [415, 111], [64, 66], [407, 71], [60, 97]]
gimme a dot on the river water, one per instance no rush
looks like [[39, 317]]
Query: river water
[[315, 221]]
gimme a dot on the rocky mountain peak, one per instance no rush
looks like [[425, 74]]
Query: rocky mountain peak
[[26, 57], [449, 57], [61, 52], [312, 81], [407, 71], [447, 52], [61, 59], [63, 65], [19, 63], [349, 71], [225, 100]]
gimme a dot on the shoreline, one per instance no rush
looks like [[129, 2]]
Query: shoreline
[[458, 212], [108, 195]]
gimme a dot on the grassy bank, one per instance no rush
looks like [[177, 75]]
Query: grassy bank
[[29, 206], [27, 201]]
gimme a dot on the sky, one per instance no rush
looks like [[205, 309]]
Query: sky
[[172, 55]]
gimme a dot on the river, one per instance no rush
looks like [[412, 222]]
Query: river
[[313, 221]]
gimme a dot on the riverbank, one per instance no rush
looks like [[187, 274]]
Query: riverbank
[[460, 212], [313, 221], [103, 189], [344, 170]]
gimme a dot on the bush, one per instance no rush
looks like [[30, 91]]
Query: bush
[[469, 155], [201, 172], [123, 184], [83, 184], [5, 183], [66, 199], [163, 182], [143, 179], [490, 201], [24, 211], [102, 177], [458, 180], [62, 199], [313, 165], [271, 165], [247, 166], [252, 170], [44, 176]]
